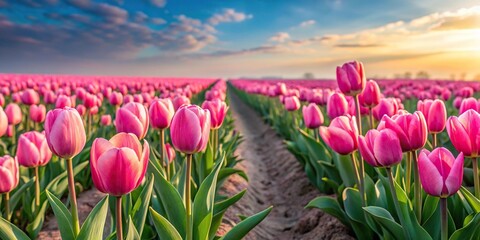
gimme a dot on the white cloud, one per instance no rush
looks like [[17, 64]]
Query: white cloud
[[159, 3], [228, 15], [280, 37], [307, 23]]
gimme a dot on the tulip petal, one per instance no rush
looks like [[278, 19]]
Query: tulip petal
[[185, 131], [387, 149], [144, 159], [128, 122], [8, 180], [459, 136], [366, 153], [430, 178], [455, 177], [128, 140], [339, 140]]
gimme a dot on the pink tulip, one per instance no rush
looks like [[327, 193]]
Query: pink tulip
[[118, 166], [14, 114], [468, 103], [351, 78], [30, 97], [32, 150], [435, 114], [3, 122], [380, 148], [161, 113], [65, 132], [387, 106], [457, 102], [464, 132], [81, 109], [337, 105], [170, 153], [179, 101], [106, 120], [341, 135], [218, 110], [37, 113], [370, 97], [411, 129], [115, 98], [63, 101], [10, 131], [2, 100], [9, 175], [312, 116], [292, 103], [190, 129], [132, 118], [440, 173]]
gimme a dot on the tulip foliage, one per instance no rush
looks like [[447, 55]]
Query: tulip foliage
[[399, 156], [157, 157]]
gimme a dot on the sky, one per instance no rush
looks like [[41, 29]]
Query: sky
[[240, 38]]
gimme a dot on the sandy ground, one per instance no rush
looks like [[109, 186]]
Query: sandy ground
[[276, 178]]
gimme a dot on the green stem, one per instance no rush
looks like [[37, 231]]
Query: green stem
[[396, 203], [434, 137], [164, 160], [359, 115], [73, 198], [37, 189], [188, 197], [476, 182], [7, 206], [357, 177], [408, 174], [418, 188], [444, 215], [360, 160], [371, 118], [119, 218]]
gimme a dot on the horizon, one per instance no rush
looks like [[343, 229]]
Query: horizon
[[237, 39]]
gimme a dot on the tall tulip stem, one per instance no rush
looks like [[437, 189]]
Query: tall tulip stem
[[73, 198], [476, 181], [396, 203], [418, 188], [7, 205], [443, 211], [360, 161], [434, 139], [164, 160], [408, 173], [358, 179], [188, 197], [371, 118], [359, 115], [37, 188], [119, 218]]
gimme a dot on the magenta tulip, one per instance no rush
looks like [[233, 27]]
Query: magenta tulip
[[132, 118], [411, 129], [351, 78], [116, 98], [370, 97], [63, 101], [341, 135], [106, 120], [118, 165], [312, 116], [387, 106], [435, 114], [179, 101], [65, 132], [33, 150], [440, 173], [337, 105], [9, 175], [218, 110], [292, 103], [170, 153], [30, 97], [380, 148], [190, 129], [464, 132], [468, 103], [161, 113], [37, 113]]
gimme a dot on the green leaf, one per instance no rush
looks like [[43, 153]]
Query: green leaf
[[140, 209], [203, 204], [94, 224], [63, 216], [245, 226], [470, 231], [219, 209], [132, 233], [472, 200], [386, 221], [10, 231], [171, 200], [19, 193], [330, 206], [165, 230], [353, 209], [35, 226]]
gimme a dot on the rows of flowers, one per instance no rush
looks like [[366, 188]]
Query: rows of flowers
[[159, 158], [399, 156]]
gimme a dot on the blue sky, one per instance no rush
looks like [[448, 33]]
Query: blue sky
[[237, 38]]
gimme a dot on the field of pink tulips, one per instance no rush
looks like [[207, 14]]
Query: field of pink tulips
[[180, 158]]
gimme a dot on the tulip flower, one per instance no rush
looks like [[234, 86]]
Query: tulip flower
[[179, 101], [132, 118], [63, 101], [370, 97], [14, 114], [380, 148], [118, 167], [170, 153], [341, 136], [441, 175], [3, 122], [9, 178], [66, 138], [161, 113], [189, 132], [115, 98], [33, 152], [312, 116], [436, 116], [106, 120], [30, 97], [351, 78], [469, 103], [387, 106], [218, 111], [337, 105], [37, 113], [464, 132], [292, 103]]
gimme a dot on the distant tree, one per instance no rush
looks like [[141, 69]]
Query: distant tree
[[452, 76], [423, 75], [463, 76], [308, 75], [408, 75]]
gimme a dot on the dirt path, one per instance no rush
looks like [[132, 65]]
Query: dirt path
[[276, 178]]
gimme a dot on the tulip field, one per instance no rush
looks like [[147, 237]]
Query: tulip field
[[385, 159]]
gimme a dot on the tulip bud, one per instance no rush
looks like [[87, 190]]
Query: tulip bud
[[218, 110], [190, 129], [37, 113], [179, 101], [30, 97], [337, 105], [351, 78], [3, 122], [115, 98], [32, 150], [312, 116], [14, 114], [435, 114], [341, 135], [106, 120], [370, 97], [161, 113], [464, 132], [9, 175], [132, 118], [118, 166], [170, 153], [380, 148], [468, 103], [65, 132], [63, 101], [411, 129], [440, 173], [292, 103]]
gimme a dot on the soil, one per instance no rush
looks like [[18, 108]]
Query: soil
[[276, 179]]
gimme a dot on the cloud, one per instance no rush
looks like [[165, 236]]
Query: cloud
[[457, 23], [358, 45], [279, 37], [158, 21], [228, 15], [140, 17], [307, 23], [158, 3]]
